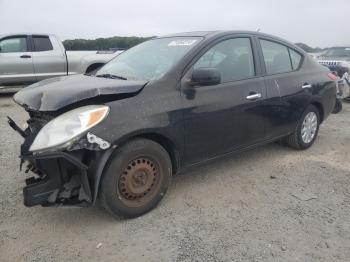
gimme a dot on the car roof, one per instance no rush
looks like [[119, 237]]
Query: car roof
[[220, 33], [24, 33], [339, 47], [193, 33]]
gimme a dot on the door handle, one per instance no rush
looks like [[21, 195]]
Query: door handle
[[253, 96], [306, 86], [25, 56]]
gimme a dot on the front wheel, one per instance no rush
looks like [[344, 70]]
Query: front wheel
[[136, 178], [306, 131]]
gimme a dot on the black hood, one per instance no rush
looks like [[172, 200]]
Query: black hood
[[55, 93]]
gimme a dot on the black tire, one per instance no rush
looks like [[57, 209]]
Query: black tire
[[295, 139], [338, 106], [136, 178]]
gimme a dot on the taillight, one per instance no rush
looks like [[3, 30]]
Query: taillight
[[332, 76]]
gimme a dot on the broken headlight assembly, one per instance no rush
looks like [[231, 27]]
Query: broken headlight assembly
[[64, 129]]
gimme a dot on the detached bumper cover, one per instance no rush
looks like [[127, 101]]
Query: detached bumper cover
[[69, 177], [63, 178]]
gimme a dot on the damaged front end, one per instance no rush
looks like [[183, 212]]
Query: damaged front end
[[64, 174], [60, 146]]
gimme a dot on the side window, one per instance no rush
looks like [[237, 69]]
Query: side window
[[233, 58], [296, 59], [13, 45], [276, 57], [42, 43]]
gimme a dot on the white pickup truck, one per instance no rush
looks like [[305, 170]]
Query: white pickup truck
[[28, 58]]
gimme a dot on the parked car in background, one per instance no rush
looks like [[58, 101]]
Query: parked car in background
[[337, 59], [162, 106], [28, 58]]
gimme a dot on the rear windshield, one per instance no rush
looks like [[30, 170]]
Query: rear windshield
[[151, 59]]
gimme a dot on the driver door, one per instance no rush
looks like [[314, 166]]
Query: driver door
[[16, 63], [222, 118]]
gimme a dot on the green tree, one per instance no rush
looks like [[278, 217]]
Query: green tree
[[124, 42], [309, 49]]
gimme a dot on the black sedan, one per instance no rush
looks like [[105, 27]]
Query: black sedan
[[119, 134]]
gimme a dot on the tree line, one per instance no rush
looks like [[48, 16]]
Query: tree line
[[125, 42], [309, 49], [122, 42]]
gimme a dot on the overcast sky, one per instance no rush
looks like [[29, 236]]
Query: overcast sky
[[315, 22]]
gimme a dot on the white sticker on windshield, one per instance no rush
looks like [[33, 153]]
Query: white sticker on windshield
[[347, 49], [182, 42]]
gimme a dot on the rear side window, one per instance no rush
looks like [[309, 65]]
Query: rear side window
[[233, 58], [13, 45], [42, 43], [276, 57], [296, 59]]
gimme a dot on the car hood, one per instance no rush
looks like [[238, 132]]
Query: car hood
[[334, 58], [55, 93]]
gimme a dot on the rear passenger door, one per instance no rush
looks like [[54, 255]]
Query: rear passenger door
[[48, 58], [225, 117], [284, 80], [16, 63]]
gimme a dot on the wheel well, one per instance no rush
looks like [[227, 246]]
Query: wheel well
[[166, 143], [320, 110], [93, 67]]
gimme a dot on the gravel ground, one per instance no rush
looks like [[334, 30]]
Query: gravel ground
[[268, 204]]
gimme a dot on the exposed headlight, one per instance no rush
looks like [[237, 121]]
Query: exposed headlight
[[64, 128]]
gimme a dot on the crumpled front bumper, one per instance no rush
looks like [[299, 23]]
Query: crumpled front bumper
[[63, 177]]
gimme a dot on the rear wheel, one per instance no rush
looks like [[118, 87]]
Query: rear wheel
[[136, 178], [306, 131]]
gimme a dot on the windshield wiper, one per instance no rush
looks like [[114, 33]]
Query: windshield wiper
[[112, 76]]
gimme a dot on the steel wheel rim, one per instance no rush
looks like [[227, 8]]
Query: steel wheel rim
[[139, 181], [309, 127]]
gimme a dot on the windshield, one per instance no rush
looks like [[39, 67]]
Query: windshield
[[338, 52], [149, 60]]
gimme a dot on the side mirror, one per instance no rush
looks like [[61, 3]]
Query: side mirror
[[205, 76]]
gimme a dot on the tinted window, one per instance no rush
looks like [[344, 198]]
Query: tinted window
[[276, 57], [42, 43], [296, 58], [233, 58], [13, 45]]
